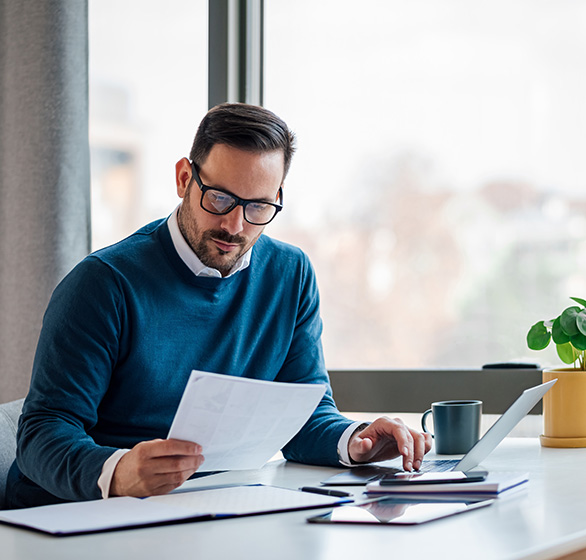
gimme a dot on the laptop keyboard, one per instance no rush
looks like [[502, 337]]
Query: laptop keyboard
[[438, 465], [371, 473]]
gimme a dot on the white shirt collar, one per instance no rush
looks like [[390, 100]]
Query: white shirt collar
[[192, 261]]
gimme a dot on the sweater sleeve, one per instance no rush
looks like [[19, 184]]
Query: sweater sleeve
[[317, 442], [78, 345]]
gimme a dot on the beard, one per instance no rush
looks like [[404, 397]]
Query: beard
[[213, 256], [202, 244]]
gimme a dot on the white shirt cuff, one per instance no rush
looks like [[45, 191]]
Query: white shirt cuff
[[343, 443], [108, 468]]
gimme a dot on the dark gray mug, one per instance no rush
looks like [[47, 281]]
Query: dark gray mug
[[456, 425]]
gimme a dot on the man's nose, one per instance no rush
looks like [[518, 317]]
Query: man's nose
[[233, 221]]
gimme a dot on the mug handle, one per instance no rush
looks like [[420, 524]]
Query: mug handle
[[423, 421]]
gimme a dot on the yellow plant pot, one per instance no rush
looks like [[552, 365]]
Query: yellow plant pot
[[564, 409]]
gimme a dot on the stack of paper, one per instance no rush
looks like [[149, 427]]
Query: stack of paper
[[494, 484]]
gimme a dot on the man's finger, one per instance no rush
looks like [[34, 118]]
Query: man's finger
[[419, 450], [168, 447], [404, 440], [163, 483], [364, 445], [175, 464]]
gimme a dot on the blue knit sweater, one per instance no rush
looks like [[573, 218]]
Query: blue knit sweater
[[121, 335]]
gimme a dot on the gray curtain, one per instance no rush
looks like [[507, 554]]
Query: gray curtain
[[44, 169]]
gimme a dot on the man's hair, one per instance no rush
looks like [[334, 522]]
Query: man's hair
[[245, 127]]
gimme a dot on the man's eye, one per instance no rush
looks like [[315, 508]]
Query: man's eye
[[220, 201], [258, 207]]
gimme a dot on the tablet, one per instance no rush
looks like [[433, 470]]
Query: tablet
[[400, 511]]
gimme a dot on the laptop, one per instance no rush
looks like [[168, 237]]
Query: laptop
[[480, 451]]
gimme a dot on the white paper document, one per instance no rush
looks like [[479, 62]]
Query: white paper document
[[239, 422]]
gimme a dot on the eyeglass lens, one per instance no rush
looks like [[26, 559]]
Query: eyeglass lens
[[219, 202]]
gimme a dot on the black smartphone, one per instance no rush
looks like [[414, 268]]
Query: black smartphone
[[432, 477]]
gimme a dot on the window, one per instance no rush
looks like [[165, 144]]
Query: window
[[438, 185], [148, 91], [439, 181]]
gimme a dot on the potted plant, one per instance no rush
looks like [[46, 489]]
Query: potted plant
[[564, 405]]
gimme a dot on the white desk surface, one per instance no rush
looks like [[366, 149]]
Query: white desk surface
[[547, 520]]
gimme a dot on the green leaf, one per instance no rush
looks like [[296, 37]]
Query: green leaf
[[580, 301], [581, 321], [557, 333], [568, 320], [566, 353], [538, 336], [579, 341]]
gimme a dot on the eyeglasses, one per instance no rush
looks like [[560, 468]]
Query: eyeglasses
[[217, 201]]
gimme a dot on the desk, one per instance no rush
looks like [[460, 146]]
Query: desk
[[548, 520]]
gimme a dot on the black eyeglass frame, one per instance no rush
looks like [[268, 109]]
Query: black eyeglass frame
[[238, 201]]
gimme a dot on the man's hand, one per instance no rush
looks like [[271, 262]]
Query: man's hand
[[386, 439], [155, 467]]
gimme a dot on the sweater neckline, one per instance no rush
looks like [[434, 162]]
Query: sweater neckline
[[163, 235]]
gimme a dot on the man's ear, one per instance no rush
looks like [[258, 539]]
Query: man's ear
[[182, 176]]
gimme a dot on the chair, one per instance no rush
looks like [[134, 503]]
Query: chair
[[9, 413]]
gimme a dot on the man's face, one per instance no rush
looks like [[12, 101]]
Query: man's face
[[219, 241]]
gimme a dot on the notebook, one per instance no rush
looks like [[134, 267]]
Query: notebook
[[199, 504], [480, 451], [495, 484]]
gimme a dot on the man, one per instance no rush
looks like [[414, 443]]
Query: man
[[203, 289]]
